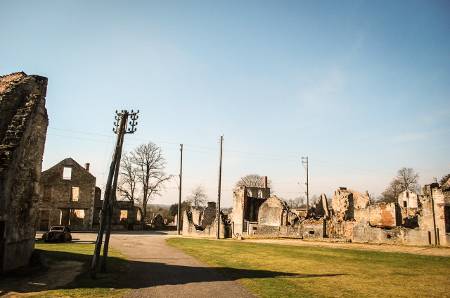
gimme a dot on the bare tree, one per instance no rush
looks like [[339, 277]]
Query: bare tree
[[297, 202], [150, 164], [128, 178], [198, 197], [444, 180], [252, 180], [406, 179]]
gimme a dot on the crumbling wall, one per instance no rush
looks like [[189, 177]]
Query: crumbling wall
[[351, 218], [23, 128], [408, 199], [313, 229], [320, 208], [272, 212], [432, 218], [68, 200], [210, 231], [383, 215], [349, 204], [256, 230], [246, 203], [209, 214]]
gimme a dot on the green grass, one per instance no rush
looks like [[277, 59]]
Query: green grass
[[323, 272], [83, 285]]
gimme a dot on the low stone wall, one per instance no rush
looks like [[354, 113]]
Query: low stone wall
[[210, 231]]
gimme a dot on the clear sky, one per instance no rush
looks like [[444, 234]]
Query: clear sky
[[361, 87]]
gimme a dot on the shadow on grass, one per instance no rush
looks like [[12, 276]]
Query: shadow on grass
[[127, 274]]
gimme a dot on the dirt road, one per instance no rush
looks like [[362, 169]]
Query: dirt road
[[158, 270]]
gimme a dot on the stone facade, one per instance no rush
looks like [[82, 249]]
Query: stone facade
[[247, 201], [126, 216], [23, 128], [408, 199], [207, 222], [273, 212], [68, 195], [352, 217]]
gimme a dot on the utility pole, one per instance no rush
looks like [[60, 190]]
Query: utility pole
[[110, 191], [305, 164], [179, 191], [219, 191]]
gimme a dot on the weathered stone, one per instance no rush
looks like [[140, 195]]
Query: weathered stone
[[23, 128], [68, 192], [273, 212], [345, 202], [74, 200], [247, 201]]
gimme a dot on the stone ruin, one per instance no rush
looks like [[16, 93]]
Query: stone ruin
[[350, 217], [23, 128], [202, 222], [414, 220]]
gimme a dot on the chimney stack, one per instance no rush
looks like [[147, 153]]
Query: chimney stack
[[265, 182], [86, 166]]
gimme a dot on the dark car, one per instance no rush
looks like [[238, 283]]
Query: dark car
[[57, 234]]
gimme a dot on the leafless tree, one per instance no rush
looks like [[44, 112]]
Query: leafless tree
[[252, 180], [149, 164], [128, 178], [406, 179], [444, 179], [297, 202], [198, 197]]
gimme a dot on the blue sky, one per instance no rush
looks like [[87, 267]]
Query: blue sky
[[361, 87]]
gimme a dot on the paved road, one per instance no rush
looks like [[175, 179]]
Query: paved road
[[158, 270]]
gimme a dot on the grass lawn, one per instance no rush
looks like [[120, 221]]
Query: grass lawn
[[83, 285], [324, 272]]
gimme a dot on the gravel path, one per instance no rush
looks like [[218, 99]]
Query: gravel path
[[158, 270]]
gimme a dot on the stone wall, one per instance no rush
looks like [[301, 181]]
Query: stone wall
[[67, 200], [384, 215], [272, 212], [23, 128], [408, 199], [246, 203], [209, 231]]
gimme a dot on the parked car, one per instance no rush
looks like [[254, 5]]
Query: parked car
[[57, 234]]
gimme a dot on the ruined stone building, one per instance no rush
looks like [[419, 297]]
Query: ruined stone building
[[247, 201], [23, 128], [126, 216], [68, 197], [414, 220], [202, 222]]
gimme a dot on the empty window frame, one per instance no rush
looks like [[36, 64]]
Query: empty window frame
[[123, 215], [78, 213], [67, 173], [75, 194]]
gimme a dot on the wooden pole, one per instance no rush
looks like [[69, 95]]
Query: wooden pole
[[110, 210], [219, 191], [105, 206], [179, 191], [111, 185]]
